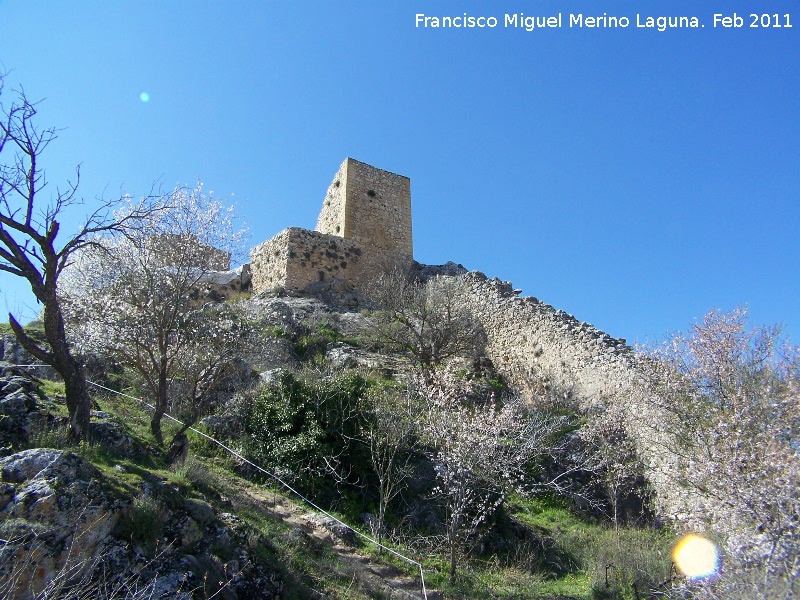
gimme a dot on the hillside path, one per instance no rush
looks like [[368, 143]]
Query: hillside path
[[373, 577]]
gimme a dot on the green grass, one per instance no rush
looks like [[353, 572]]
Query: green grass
[[564, 557], [34, 329], [53, 389], [632, 555], [142, 522]]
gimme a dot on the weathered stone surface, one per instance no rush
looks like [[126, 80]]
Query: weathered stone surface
[[200, 511], [343, 532], [365, 221], [191, 533], [15, 423], [57, 506], [12, 353], [547, 354], [112, 437], [270, 376], [22, 410], [223, 425], [342, 356], [371, 205], [297, 258], [449, 269]]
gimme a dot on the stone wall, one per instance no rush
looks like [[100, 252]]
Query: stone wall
[[190, 251], [364, 224], [370, 205], [531, 342], [551, 357], [331, 217], [298, 257]]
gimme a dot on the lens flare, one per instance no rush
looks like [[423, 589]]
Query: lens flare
[[144, 97], [696, 557]]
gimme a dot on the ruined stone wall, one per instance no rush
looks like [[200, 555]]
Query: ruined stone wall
[[531, 342], [189, 251], [298, 257], [378, 208], [364, 224]]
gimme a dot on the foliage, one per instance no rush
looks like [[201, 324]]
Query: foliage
[[131, 298], [142, 522], [308, 430], [728, 400], [314, 340]]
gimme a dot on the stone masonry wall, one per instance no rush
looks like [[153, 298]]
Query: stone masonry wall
[[378, 208], [331, 217], [364, 224], [530, 342], [298, 257], [370, 205], [180, 250]]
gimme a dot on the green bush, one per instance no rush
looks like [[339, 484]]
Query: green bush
[[143, 522], [315, 341], [307, 429]]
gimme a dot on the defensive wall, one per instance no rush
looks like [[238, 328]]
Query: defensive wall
[[189, 251], [550, 356], [365, 221], [544, 353]]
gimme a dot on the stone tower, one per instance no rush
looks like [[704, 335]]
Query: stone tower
[[365, 224], [371, 206]]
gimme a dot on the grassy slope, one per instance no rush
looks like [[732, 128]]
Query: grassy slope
[[567, 559]]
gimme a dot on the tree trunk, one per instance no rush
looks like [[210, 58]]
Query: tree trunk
[[79, 404], [155, 426], [178, 450], [453, 543], [452, 563], [161, 402]]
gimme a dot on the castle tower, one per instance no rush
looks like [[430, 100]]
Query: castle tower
[[365, 224], [370, 206]]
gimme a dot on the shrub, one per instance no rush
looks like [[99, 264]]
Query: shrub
[[143, 522], [307, 430], [315, 341]]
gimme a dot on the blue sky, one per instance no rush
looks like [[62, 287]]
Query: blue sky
[[631, 177]]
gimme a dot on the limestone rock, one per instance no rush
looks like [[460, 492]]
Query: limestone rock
[[59, 514]]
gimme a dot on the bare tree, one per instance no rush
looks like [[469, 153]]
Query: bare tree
[[137, 297], [391, 431], [29, 244], [430, 320]]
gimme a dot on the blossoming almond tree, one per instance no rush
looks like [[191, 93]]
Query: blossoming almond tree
[[482, 450], [729, 400], [136, 297]]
